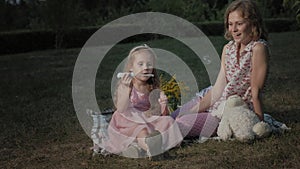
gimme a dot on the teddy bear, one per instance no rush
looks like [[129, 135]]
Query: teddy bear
[[239, 121]]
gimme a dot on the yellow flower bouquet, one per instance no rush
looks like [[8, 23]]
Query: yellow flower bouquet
[[173, 90]]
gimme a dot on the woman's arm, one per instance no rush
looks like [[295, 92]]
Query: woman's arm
[[258, 76], [216, 92]]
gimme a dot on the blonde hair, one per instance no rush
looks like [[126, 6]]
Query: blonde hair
[[152, 81], [249, 11]]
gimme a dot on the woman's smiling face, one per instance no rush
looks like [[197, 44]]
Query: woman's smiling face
[[239, 28]]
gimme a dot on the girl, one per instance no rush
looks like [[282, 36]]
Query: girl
[[130, 125], [243, 70]]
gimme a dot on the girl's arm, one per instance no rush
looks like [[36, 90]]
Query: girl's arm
[[216, 92], [258, 76], [123, 93]]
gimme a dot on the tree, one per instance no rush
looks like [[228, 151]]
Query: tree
[[174, 7], [195, 10], [60, 16], [293, 5]]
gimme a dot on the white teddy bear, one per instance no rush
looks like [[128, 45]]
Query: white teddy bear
[[238, 121]]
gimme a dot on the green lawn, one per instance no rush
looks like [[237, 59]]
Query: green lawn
[[39, 127]]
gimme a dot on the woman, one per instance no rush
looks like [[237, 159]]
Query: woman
[[243, 71]]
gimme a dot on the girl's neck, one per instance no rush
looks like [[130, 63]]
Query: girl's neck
[[141, 86]]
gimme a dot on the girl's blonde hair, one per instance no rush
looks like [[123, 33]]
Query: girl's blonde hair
[[249, 11], [152, 81]]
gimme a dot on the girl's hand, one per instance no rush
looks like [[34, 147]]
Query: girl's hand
[[126, 79], [163, 101]]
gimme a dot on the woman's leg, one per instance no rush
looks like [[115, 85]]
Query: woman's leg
[[185, 109], [200, 124]]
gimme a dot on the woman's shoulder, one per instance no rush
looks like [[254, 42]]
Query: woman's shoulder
[[260, 42], [229, 45], [256, 45], [260, 48]]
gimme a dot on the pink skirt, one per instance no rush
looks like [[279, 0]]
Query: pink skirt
[[122, 131]]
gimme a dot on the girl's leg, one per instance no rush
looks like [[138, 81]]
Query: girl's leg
[[141, 139], [151, 143]]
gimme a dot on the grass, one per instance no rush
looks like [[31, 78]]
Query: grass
[[39, 127]]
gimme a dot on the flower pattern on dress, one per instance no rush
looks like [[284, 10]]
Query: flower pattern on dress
[[238, 74]]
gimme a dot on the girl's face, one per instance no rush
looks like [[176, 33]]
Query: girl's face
[[239, 28], [143, 64]]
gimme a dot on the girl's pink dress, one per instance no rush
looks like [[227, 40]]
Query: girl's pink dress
[[238, 74], [125, 126]]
